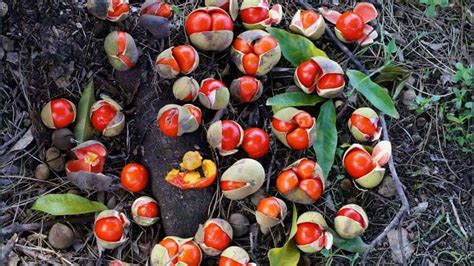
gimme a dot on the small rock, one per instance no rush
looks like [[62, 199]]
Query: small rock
[[42, 172], [240, 224], [408, 97], [394, 241], [7, 43], [60, 236], [74, 192], [346, 185], [55, 159], [420, 122], [63, 139], [387, 187]]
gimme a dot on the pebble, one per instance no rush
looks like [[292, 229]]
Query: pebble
[[387, 187], [408, 97]]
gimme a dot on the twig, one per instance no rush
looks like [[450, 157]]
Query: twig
[[458, 221], [18, 228], [8, 247]]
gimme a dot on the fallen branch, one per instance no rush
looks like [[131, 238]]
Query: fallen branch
[[18, 228]]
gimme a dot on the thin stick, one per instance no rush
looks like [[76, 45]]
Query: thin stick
[[18, 228]]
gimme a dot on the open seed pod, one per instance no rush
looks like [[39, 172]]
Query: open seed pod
[[186, 89], [214, 236], [178, 251], [145, 211], [311, 234], [351, 221], [255, 52], [301, 182], [194, 172], [107, 117], [363, 125], [225, 136], [308, 23], [58, 113], [294, 128], [231, 6], [256, 14], [321, 74], [213, 94], [112, 10], [110, 229], [367, 169], [270, 212], [246, 89], [175, 120], [352, 26], [121, 50], [210, 28], [86, 171], [182, 59], [235, 255], [154, 16], [242, 179]]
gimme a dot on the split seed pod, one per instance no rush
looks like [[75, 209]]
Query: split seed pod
[[194, 172], [256, 14], [213, 94], [255, 52], [110, 229], [308, 23], [112, 10], [121, 50], [235, 256], [367, 169], [145, 211], [351, 221], [351, 26], [312, 233], [321, 74], [210, 29], [363, 125], [174, 250], [154, 16], [231, 6], [175, 120], [214, 236], [294, 128], [270, 212], [242, 179], [58, 113], [246, 89], [182, 59], [225, 136], [301, 182], [107, 117], [186, 89]]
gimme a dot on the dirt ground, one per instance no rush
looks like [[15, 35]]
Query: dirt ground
[[51, 49]]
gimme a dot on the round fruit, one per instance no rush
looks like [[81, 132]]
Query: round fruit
[[358, 163], [134, 177], [109, 229], [256, 142]]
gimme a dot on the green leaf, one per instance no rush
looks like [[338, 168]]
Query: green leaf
[[326, 140], [83, 129], [288, 255], [373, 92], [295, 48], [351, 245], [66, 204], [294, 99]]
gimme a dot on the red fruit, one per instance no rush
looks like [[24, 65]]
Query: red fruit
[[215, 237], [364, 124], [304, 120], [351, 26], [198, 21], [224, 261], [256, 142], [221, 21], [353, 214], [168, 123], [358, 163], [149, 210], [312, 187], [287, 181], [248, 88], [307, 233], [264, 45], [231, 185], [134, 177], [253, 15], [250, 62], [298, 139], [331, 81], [109, 229], [242, 45], [283, 126], [308, 18], [308, 72], [103, 116], [185, 56], [231, 135], [270, 207], [305, 169], [158, 9], [210, 85], [62, 112]]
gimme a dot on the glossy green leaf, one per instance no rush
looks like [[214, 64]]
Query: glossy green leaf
[[326, 138], [295, 48], [294, 99], [352, 245], [289, 254], [373, 92], [66, 204], [83, 129]]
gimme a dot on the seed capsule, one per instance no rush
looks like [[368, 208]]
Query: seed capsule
[[270, 212], [246, 89], [107, 117], [301, 182], [225, 136], [308, 23], [121, 50], [186, 89], [175, 120], [213, 94], [112, 10], [110, 229], [145, 211], [351, 221], [214, 236], [235, 256], [194, 172], [255, 52], [58, 113], [320, 74], [363, 125], [256, 14], [174, 250], [311, 234], [294, 128], [154, 16], [231, 6], [210, 29], [182, 59], [242, 179]]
